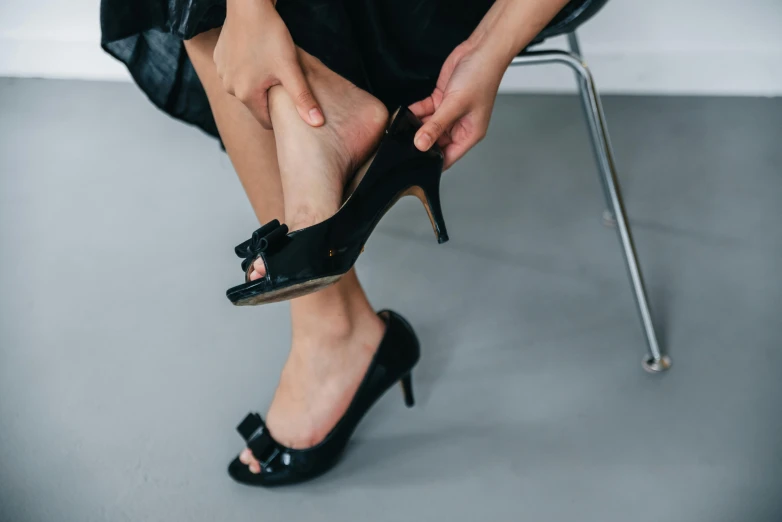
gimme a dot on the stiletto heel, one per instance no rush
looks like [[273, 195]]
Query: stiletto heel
[[428, 191], [304, 261], [407, 390], [393, 362]]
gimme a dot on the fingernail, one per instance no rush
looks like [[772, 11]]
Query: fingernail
[[423, 141], [316, 116]]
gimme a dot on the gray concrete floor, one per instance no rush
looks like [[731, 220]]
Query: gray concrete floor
[[124, 369]]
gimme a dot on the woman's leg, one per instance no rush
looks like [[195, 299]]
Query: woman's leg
[[251, 147], [335, 331]]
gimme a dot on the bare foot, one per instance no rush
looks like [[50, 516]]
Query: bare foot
[[317, 162]]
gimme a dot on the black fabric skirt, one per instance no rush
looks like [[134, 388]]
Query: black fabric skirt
[[391, 48]]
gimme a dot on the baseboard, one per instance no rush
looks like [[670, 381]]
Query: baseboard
[[696, 72], [82, 60]]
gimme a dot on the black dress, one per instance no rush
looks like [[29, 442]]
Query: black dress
[[392, 48]]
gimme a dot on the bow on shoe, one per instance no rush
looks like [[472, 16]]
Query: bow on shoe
[[267, 451], [268, 236]]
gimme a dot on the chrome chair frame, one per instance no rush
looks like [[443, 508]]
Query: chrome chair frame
[[654, 360]]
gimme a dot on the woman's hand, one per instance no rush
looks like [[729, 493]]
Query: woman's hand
[[255, 52], [456, 115]]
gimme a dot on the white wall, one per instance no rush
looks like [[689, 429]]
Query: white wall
[[636, 46]]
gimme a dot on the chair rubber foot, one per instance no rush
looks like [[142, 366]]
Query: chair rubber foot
[[653, 365]]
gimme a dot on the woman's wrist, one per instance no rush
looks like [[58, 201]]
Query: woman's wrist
[[510, 25]]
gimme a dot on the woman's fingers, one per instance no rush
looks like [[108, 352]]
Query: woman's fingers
[[258, 104], [423, 108], [438, 124], [255, 96], [466, 133], [453, 152], [299, 90]]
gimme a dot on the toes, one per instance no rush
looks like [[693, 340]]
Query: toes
[[259, 270], [246, 456]]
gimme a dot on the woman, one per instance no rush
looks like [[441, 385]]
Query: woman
[[299, 93]]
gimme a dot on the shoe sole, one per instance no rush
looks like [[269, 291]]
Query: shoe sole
[[290, 292]]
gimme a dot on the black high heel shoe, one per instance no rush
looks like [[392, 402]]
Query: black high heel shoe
[[312, 258], [396, 356]]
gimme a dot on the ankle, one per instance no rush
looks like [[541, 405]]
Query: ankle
[[334, 322], [333, 329]]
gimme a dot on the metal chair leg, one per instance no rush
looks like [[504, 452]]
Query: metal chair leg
[[608, 216], [654, 361]]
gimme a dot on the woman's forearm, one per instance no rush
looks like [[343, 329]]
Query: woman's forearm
[[510, 25]]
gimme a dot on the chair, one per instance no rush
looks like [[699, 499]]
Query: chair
[[566, 22]]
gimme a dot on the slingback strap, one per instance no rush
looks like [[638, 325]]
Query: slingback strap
[[264, 448], [269, 236]]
